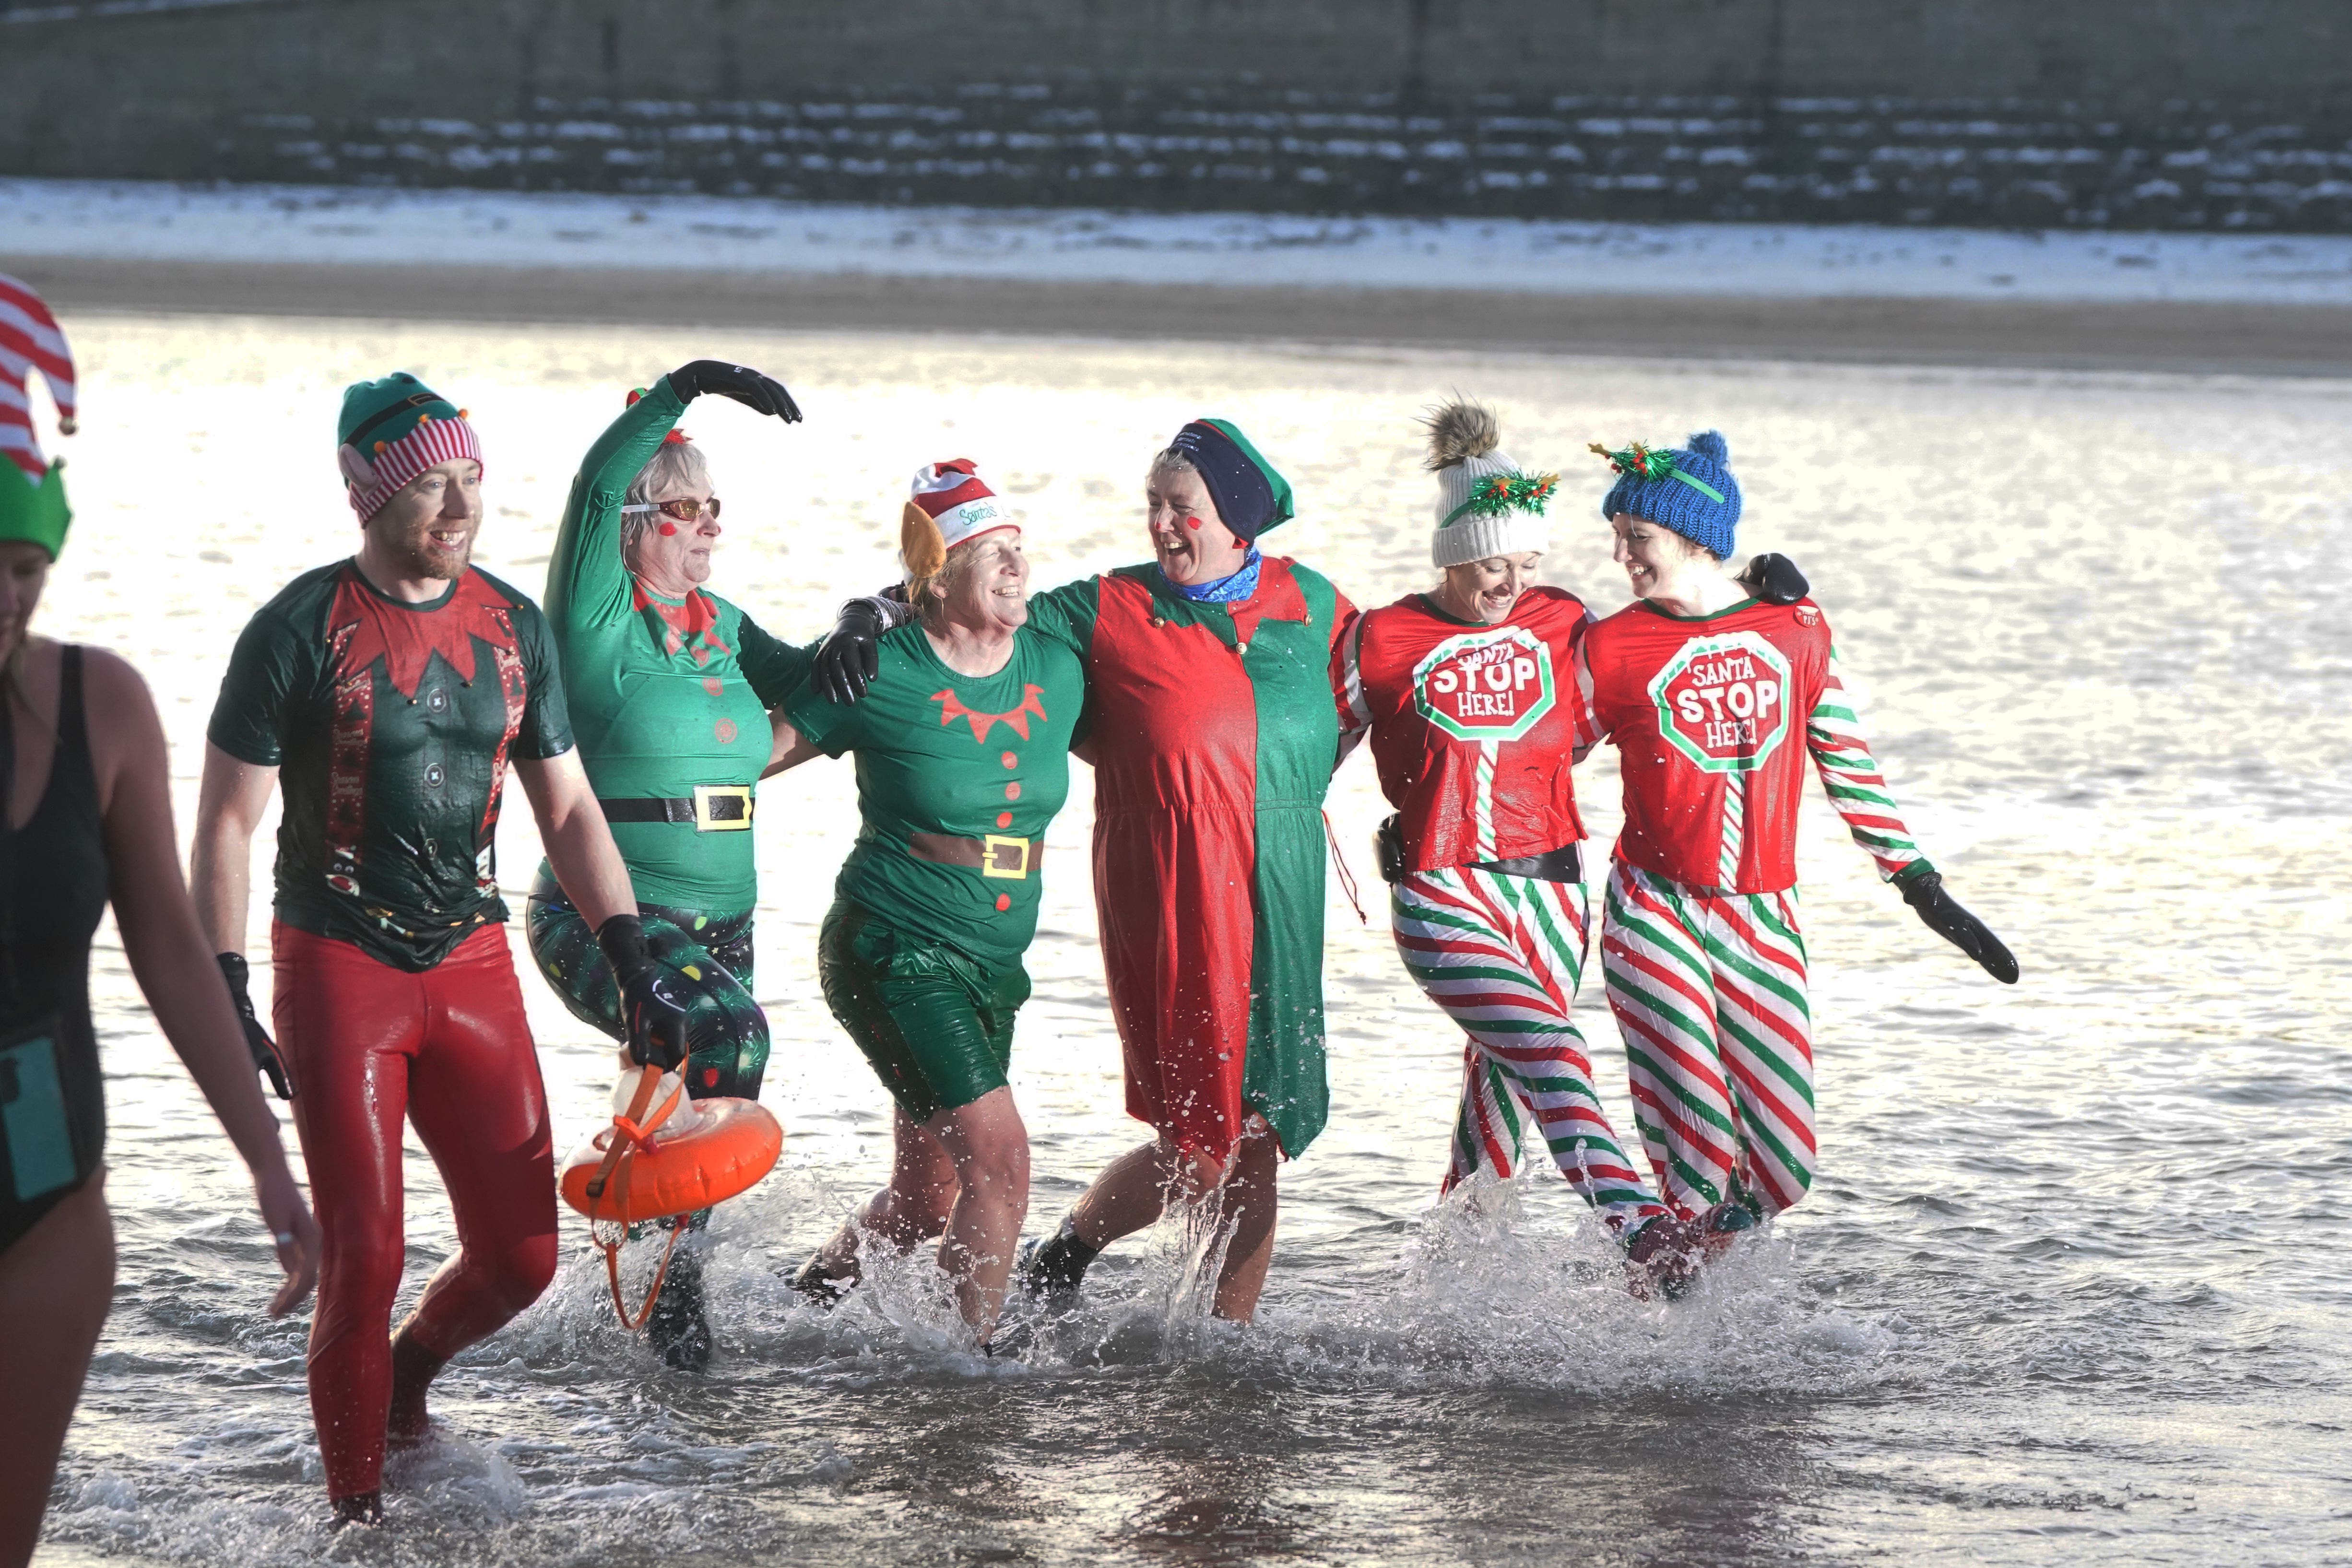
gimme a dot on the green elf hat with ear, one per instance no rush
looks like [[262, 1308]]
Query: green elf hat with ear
[[391, 431], [32, 507]]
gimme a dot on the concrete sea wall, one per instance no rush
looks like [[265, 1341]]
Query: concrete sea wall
[[2126, 113]]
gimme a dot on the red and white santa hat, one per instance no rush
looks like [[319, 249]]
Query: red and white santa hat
[[29, 341], [950, 505]]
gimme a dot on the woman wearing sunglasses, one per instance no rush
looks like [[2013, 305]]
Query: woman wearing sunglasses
[[670, 688]]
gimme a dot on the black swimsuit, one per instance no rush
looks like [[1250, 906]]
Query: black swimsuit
[[53, 887]]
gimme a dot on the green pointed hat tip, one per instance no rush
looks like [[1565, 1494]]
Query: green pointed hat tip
[[33, 513]]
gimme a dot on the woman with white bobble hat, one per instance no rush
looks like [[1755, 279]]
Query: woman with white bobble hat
[[1468, 692]]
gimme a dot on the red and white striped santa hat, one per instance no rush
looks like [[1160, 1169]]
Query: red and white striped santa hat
[[29, 341], [950, 505]]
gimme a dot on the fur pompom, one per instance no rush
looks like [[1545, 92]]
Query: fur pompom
[[1459, 431], [921, 546], [1710, 445]]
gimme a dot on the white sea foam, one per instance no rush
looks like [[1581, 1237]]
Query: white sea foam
[[329, 224]]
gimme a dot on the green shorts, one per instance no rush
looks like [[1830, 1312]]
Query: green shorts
[[936, 1025]]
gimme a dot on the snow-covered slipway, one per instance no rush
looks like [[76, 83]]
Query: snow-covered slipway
[[127, 221]]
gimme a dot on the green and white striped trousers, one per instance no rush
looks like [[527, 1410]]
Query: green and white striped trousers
[[1504, 957], [1708, 990]]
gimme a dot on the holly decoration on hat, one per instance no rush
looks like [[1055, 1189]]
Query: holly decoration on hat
[[1500, 493], [1637, 458]]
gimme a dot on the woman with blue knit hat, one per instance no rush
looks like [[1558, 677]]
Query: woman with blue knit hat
[[1704, 689]]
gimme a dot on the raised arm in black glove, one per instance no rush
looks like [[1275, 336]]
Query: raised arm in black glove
[[239, 976], [1775, 579], [1943, 915], [650, 1010], [761, 395]]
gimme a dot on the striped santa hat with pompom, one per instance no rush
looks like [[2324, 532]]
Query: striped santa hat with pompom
[[29, 341]]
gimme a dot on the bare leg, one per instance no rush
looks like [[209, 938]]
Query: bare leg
[[912, 1208], [55, 1285], [1130, 1195], [1247, 1211], [991, 1149]]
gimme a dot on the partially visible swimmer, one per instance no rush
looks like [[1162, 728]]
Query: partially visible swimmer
[[85, 818]]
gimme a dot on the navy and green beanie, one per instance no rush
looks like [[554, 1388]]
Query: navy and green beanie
[[1686, 489], [1252, 495], [391, 431]]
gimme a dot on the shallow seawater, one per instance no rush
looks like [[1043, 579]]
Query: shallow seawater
[[2075, 1282]]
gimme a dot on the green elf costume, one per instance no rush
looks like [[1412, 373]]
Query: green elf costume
[[670, 698]]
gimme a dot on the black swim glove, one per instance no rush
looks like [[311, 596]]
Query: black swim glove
[[853, 655], [1775, 579], [239, 976], [1943, 915], [650, 1009], [761, 395]]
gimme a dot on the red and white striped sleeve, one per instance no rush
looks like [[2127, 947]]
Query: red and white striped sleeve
[[1840, 750]]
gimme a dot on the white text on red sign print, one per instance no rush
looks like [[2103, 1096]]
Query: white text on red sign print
[[1485, 685], [1723, 702]]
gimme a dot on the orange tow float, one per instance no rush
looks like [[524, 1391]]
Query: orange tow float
[[685, 1155]]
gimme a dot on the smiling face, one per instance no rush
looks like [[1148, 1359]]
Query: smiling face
[[24, 572], [986, 585], [1188, 536], [672, 555], [1656, 558], [1486, 590], [427, 528]]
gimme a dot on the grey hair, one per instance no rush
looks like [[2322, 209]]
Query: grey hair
[[1171, 460], [675, 465]]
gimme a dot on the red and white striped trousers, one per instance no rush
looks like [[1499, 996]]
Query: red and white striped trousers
[[1708, 990], [1504, 957]]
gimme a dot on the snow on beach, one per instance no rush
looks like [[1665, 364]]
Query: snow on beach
[[145, 221]]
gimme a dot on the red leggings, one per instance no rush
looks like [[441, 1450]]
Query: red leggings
[[451, 1049]]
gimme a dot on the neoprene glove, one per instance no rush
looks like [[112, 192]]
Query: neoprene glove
[[761, 395], [1942, 915], [853, 655], [1775, 579], [650, 1010], [239, 976]]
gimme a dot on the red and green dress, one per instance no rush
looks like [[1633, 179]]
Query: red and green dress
[[1213, 736]]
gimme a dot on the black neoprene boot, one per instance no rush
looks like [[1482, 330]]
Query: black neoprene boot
[[677, 1330], [1051, 1269]]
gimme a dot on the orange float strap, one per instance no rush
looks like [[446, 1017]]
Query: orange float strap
[[628, 1174]]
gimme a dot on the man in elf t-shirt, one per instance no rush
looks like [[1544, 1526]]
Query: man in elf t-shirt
[[390, 690]]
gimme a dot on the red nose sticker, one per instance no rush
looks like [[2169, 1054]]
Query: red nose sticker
[[669, 530]]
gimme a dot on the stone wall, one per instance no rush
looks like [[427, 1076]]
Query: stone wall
[[2141, 113]]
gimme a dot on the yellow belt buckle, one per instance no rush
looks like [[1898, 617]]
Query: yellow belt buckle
[[994, 844], [707, 821]]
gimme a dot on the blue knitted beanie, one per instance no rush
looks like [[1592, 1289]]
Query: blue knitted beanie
[[1688, 489]]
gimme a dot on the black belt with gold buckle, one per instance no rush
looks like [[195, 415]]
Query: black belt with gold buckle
[[711, 809]]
